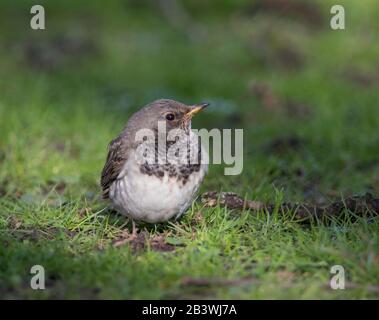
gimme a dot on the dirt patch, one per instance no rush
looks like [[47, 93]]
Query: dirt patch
[[49, 54], [361, 78], [209, 282], [3, 192], [272, 102], [367, 165], [230, 200], [275, 51], [289, 58], [2, 155], [285, 277], [143, 240], [305, 11], [265, 95], [359, 205], [282, 145], [297, 109]]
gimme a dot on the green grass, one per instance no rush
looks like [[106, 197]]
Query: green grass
[[57, 118]]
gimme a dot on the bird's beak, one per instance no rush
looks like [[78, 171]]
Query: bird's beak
[[196, 108]]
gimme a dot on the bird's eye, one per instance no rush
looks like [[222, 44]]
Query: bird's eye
[[170, 116]]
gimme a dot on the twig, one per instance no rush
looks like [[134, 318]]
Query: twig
[[208, 282], [358, 205]]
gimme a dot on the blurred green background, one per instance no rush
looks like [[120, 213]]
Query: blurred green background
[[305, 95], [274, 68]]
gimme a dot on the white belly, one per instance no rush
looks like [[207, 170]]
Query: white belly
[[151, 198]]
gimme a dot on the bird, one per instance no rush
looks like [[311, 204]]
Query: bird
[[155, 191]]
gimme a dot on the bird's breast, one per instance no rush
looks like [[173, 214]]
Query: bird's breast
[[157, 192]]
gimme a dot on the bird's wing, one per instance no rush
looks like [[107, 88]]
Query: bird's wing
[[117, 156]]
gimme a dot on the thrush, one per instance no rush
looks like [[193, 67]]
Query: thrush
[[160, 186]]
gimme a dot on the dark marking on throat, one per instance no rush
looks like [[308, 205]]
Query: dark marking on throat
[[180, 172]]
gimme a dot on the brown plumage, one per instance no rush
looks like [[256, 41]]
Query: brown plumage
[[117, 155]]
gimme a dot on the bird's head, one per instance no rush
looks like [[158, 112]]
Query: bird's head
[[173, 114]]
